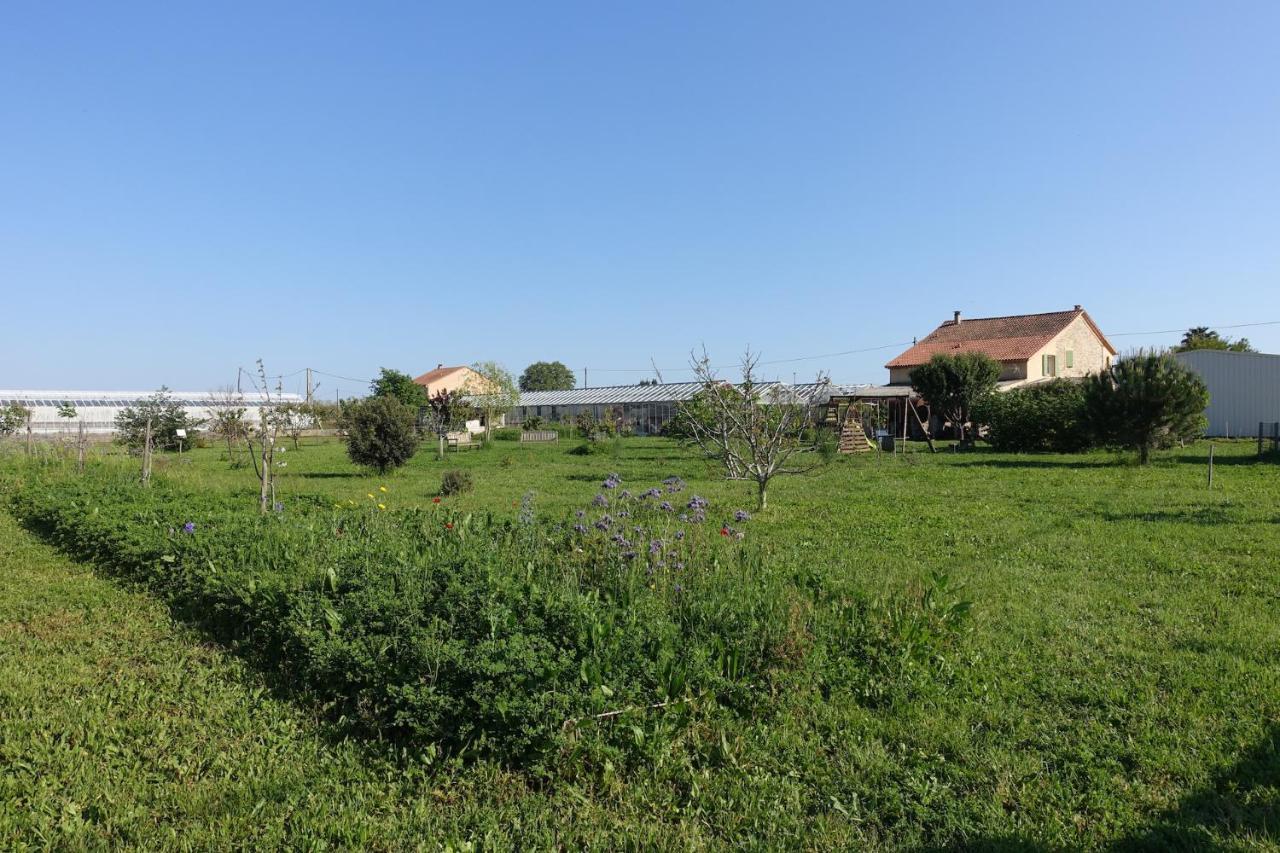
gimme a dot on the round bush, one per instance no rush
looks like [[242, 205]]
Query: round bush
[[380, 432]]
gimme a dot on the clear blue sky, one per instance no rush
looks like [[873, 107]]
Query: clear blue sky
[[186, 187]]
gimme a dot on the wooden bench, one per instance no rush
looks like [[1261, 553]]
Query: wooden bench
[[460, 441], [539, 435]]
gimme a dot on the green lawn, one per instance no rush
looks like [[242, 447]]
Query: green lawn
[[1120, 683]]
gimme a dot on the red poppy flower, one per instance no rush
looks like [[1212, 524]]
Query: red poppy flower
[[448, 525], [724, 531], [435, 500]]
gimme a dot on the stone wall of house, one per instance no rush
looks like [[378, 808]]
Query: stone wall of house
[[1089, 355]]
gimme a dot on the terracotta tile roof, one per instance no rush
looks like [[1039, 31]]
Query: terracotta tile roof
[[1015, 338], [436, 375]]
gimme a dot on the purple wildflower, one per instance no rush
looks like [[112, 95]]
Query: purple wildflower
[[580, 529], [189, 527], [679, 534], [625, 493], [666, 506], [580, 513], [741, 515], [626, 513], [655, 547], [696, 502], [629, 555], [600, 500]]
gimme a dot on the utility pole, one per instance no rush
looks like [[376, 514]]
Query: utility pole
[[239, 370], [584, 377], [309, 386]]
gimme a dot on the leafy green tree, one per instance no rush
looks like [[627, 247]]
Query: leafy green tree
[[1202, 337], [1145, 401], [953, 384], [381, 432], [393, 383], [547, 376], [67, 410], [13, 417], [167, 416]]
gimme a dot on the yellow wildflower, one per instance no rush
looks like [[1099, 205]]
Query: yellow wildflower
[[382, 506], [382, 488], [369, 496]]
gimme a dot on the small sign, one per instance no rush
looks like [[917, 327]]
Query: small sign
[[181, 433]]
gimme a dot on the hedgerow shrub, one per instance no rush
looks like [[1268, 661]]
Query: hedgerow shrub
[[493, 636], [1048, 416]]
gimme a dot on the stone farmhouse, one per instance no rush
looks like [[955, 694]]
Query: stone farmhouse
[[1030, 347]]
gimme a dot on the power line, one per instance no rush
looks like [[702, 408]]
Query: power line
[[687, 369], [1176, 331]]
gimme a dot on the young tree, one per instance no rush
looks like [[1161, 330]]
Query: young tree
[[166, 417], [13, 418], [954, 383], [447, 411], [1202, 337], [492, 391], [381, 433], [228, 420], [1146, 400], [547, 376], [266, 434], [393, 383], [294, 419], [755, 430], [67, 410]]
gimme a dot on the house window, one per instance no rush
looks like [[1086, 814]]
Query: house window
[[1049, 365], [1071, 358]]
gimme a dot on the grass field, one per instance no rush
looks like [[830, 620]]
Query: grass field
[[1118, 683]]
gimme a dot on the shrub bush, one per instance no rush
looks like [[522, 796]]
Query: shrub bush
[[506, 434], [1048, 416], [456, 482], [533, 422], [381, 432], [1145, 401]]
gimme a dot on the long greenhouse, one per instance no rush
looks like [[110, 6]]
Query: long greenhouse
[[647, 408], [65, 411]]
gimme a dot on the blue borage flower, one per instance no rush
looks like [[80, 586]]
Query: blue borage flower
[[741, 515], [189, 527]]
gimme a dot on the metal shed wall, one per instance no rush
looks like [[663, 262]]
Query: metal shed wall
[[1244, 388]]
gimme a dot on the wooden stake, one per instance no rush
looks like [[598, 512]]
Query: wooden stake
[[1210, 466], [80, 449], [29, 445]]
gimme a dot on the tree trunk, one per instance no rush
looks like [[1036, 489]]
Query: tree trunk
[[764, 494], [264, 492], [1144, 453]]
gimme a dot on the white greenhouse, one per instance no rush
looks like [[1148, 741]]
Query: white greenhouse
[[97, 410]]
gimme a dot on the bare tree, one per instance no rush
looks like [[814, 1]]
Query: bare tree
[[756, 430], [267, 432], [227, 420]]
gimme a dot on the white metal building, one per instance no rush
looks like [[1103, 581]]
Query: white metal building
[[97, 410], [1244, 389]]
